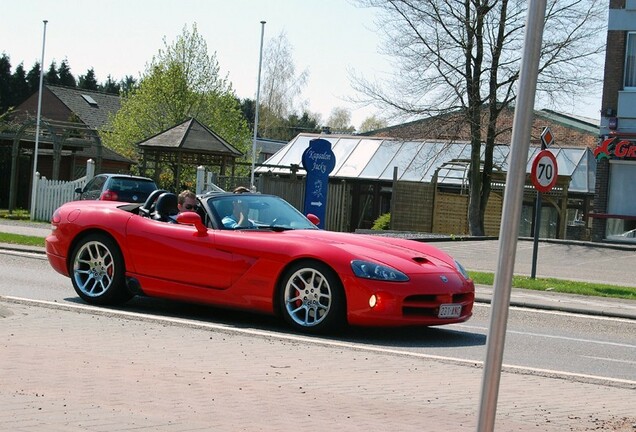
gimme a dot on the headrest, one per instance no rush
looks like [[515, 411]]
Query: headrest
[[167, 204]]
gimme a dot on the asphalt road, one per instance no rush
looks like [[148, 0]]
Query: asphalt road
[[572, 343]]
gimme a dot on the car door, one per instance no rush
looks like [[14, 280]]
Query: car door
[[173, 252]]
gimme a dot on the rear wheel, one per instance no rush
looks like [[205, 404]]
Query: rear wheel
[[97, 271], [311, 298]]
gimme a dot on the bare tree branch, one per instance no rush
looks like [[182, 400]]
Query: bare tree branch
[[463, 56]]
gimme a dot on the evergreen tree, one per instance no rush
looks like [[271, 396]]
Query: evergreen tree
[[5, 83], [88, 81], [33, 78], [52, 77], [19, 85], [111, 86], [247, 107], [127, 84], [303, 124], [66, 77]]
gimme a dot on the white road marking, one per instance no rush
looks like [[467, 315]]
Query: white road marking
[[485, 330], [610, 360], [563, 313], [294, 338]]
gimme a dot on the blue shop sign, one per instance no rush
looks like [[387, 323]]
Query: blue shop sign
[[318, 160]]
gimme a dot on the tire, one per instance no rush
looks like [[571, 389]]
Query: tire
[[97, 271], [311, 298]]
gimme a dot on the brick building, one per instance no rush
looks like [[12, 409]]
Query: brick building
[[70, 120], [614, 205]]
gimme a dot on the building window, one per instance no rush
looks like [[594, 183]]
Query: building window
[[630, 62], [621, 202]]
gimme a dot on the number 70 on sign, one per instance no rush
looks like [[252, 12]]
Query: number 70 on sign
[[544, 171]]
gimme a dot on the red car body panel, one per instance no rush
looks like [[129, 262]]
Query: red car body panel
[[242, 268]]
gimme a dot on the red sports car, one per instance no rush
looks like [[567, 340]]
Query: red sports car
[[276, 262]]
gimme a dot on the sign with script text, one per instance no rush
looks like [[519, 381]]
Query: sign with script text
[[318, 160]]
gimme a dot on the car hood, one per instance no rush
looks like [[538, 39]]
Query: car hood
[[406, 255]]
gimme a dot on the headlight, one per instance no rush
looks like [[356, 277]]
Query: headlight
[[371, 270], [460, 268]]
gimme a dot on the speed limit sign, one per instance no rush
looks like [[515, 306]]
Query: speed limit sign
[[544, 171]]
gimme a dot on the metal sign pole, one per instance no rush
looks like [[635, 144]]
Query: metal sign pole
[[258, 94], [34, 185], [537, 228], [513, 200]]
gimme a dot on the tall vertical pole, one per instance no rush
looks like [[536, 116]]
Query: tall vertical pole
[[513, 200], [34, 185], [258, 95]]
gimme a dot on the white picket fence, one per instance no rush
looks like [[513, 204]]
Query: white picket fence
[[50, 194], [206, 182]]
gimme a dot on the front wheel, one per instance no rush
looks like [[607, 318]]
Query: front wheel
[[97, 271], [311, 298]]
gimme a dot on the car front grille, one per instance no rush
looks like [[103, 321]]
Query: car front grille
[[428, 305]]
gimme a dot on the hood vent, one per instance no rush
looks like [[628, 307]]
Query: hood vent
[[421, 260]]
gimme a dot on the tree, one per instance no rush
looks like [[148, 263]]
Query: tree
[[340, 121], [88, 81], [66, 77], [52, 77], [19, 85], [33, 78], [127, 84], [111, 86], [248, 108], [181, 81], [5, 83], [307, 123], [464, 58], [372, 123], [281, 88]]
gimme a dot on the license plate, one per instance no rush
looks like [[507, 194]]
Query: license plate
[[450, 310]]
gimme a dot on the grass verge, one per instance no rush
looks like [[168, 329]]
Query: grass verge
[[20, 239], [560, 285]]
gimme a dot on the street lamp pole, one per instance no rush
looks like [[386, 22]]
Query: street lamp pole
[[34, 185], [258, 94]]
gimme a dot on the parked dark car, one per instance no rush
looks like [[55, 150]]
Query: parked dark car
[[117, 187]]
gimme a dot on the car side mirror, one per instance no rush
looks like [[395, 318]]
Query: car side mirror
[[192, 218], [78, 190], [313, 218]]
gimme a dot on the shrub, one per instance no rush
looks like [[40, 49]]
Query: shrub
[[382, 223]]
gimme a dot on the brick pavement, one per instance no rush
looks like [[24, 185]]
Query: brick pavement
[[69, 369]]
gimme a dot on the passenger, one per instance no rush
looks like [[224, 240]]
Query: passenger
[[187, 201], [241, 189]]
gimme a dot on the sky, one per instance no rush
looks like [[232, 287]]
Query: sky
[[329, 38]]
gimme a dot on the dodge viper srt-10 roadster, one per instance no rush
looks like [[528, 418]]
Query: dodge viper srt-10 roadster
[[276, 262]]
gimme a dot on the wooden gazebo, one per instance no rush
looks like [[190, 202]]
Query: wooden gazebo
[[189, 143]]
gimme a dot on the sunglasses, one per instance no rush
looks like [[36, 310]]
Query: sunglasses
[[191, 206]]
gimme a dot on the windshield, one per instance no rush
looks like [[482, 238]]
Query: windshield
[[255, 211]]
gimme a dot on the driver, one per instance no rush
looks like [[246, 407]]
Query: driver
[[238, 218]]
